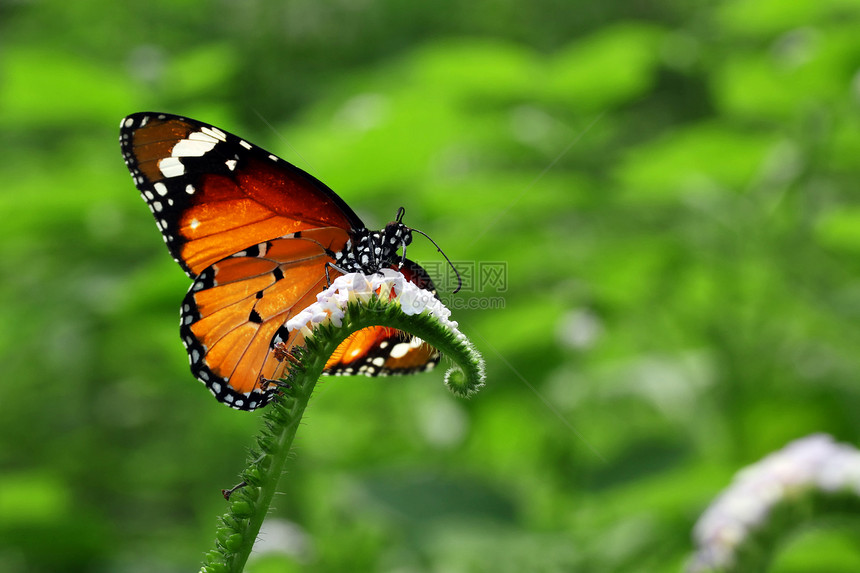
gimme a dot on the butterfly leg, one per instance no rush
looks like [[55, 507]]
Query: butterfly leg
[[403, 258], [283, 352], [335, 267], [266, 382]]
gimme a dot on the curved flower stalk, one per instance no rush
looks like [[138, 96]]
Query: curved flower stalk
[[810, 477], [354, 301]]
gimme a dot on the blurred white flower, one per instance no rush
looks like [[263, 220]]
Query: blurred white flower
[[815, 462], [579, 329]]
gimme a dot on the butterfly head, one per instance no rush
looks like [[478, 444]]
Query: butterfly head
[[396, 235]]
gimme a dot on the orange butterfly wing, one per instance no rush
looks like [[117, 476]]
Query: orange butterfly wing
[[383, 351], [214, 194], [234, 313]]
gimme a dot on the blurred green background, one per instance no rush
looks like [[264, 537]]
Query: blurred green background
[[671, 186]]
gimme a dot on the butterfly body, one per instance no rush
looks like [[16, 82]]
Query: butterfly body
[[260, 238]]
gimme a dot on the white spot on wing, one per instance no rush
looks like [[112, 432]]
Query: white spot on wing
[[244, 144], [400, 350], [171, 167], [214, 132], [231, 164], [160, 188], [194, 224], [197, 145]]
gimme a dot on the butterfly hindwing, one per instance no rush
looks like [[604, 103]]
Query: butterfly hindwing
[[383, 351], [234, 313], [232, 320]]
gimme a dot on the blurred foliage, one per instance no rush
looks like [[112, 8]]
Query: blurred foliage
[[671, 186]]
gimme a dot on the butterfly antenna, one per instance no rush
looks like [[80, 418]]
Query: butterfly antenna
[[438, 248]]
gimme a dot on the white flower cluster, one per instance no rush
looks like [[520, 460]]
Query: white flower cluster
[[814, 462], [387, 284]]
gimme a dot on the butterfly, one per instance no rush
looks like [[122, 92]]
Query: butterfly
[[260, 238]]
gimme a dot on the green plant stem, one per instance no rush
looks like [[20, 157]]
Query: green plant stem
[[249, 505], [293, 406]]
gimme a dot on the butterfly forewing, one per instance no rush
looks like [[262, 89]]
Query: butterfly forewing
[[214, 194]]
